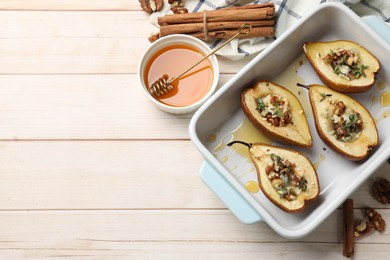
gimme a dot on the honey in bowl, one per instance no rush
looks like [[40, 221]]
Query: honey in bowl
[[173, 60]]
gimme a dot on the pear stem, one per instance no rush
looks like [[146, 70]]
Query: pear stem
[[303, 86], [240, 142]]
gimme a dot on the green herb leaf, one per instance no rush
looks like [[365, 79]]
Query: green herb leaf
[[260, 104], [276, 158], [323, 95], [353, 117], [358, 70], [278, 112], [344, 59], [349, 126], [337, 69], [302, 184]]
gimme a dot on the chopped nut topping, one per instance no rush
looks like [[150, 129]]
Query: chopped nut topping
[[347, 124], [284, 178], [340, 108], [346, 63], [275, 109]]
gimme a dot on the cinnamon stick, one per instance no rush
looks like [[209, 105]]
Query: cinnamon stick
[[348, 228], [199, 27], [252, 6], [267, 31], [220, 15]]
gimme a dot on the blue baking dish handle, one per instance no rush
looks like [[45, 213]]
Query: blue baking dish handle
[[378, 26], [228, 194]]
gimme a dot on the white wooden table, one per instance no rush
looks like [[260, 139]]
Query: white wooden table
[[84, 171]]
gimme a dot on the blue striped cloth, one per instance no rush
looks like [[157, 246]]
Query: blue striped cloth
[[288, 12]]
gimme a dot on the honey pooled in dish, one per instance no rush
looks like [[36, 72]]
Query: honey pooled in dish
[[172, 60]]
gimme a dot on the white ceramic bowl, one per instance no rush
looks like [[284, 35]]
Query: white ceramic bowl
[[178, 39]]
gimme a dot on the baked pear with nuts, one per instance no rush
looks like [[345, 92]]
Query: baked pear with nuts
[[277, 113], [342, 122], [285, 176], [342, 65]]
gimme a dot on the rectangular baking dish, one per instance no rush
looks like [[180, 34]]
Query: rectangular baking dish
[[211, 127]]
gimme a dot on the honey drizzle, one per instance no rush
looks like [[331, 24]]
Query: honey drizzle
[[386, 114], [381, 85], [252, 186], [221, 145], [374, 99], [212, 138], [289, 78], [321, 158], [248, 133], [385, 99]]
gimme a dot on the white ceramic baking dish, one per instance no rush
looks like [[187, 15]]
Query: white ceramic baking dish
[[213, 125]]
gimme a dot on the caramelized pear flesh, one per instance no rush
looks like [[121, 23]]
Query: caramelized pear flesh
[[286, 177], [277, 113], [343, 123], [342, 65]]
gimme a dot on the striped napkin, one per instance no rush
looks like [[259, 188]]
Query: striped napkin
[[288, 12]]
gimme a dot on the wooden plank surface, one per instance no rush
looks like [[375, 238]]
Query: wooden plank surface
[[83, 107], [145, 235], [69, 5], [67, 55], [78, 43], [157, 225], [90, 169], [134, 174]]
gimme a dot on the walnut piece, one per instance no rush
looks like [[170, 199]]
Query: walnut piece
[[179, 10], [177, 7], [175, 3], [154, 37], [381, 191], [363, 229], [151, 6], [376, 219]]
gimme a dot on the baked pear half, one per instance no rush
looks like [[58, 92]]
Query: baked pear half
[[277, 113], [343, 123], [342, 65], [285, 176]]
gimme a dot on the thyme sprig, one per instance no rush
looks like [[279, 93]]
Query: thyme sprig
[[323, 95], [358, 70]]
